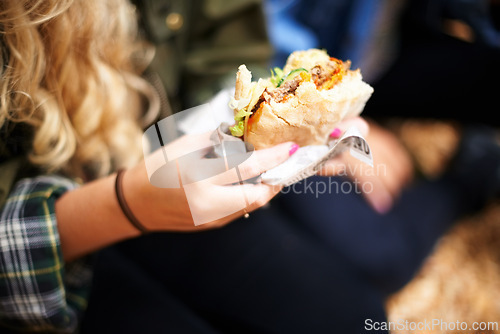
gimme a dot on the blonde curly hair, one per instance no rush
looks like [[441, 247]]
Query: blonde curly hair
[[70, 70]]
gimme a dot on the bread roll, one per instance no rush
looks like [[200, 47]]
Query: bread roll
[[303, 104]]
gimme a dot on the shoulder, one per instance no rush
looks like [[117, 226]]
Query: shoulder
[[42, 182], [43, 185], [31, 195]]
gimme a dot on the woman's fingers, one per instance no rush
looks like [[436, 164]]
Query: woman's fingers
[[209, 203], [265, 159], [357, 122], [257, 163], [257, 195], [213, 192]]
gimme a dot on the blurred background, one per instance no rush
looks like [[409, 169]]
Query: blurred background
[[435, 67], [443, 51]]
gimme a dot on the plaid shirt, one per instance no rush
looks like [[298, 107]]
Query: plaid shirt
[[38, 291]]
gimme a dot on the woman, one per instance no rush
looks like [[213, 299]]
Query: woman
[[72, 109]]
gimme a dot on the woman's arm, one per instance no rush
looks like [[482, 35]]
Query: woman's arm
[[90, 217]]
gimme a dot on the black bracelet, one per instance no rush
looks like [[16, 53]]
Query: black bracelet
[[123, 204]]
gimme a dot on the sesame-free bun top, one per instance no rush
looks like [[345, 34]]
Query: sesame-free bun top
[[305, 109]]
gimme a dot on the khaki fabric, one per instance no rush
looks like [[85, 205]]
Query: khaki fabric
[[200, 56], [8, 172]]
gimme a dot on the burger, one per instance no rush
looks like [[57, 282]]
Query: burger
[[302, 102]]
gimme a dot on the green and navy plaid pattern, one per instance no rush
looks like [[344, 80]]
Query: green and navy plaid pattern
[[38, 291]]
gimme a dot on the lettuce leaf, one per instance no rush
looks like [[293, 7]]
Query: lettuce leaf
[[241, 114], [276, 76], [238, 129], [292, 74]]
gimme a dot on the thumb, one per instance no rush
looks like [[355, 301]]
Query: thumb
[[358, 122]]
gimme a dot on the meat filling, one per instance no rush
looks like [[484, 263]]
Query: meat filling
[[277, 94], [325, 76], [321, 76], [289, 87]]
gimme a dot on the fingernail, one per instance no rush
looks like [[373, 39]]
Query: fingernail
[[383, 205], [382, 208], [336, 133], [293, 149]]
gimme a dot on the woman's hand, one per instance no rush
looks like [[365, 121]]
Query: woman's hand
[[200, 192], [90, 218]]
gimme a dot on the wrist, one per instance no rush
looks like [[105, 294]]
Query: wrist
[[158, 209], [122, 202], [139, 196]]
